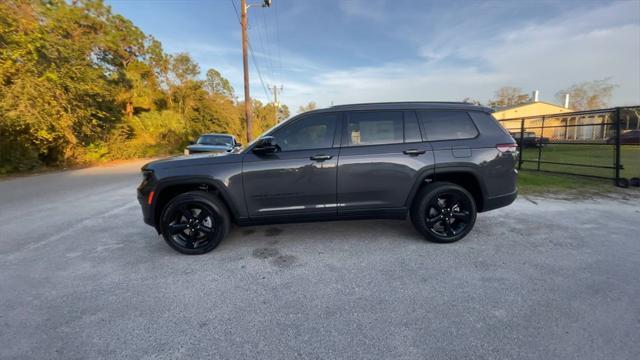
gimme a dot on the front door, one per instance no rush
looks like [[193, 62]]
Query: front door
[[300, 177]]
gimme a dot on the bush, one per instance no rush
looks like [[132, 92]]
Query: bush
[[150, 134]]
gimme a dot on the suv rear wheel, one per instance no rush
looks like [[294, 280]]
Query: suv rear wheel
[[443, 212], [194, 222]]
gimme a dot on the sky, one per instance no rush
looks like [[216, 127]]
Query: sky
[[348, 51]]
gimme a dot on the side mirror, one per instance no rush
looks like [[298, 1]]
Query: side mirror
[[191, 142], [238, 144], [266, 145]]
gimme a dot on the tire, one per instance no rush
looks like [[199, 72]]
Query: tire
[[634, 181], [194, 223], [435, 206]]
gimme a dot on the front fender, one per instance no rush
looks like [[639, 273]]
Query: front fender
[[215, 185]]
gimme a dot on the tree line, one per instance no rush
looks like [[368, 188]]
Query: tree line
[[80, 84], [589, 95]]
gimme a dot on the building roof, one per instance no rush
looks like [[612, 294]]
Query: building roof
[[529, 103]]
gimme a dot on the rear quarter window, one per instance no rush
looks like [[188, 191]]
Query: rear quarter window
[[447, 125], [482, 117]]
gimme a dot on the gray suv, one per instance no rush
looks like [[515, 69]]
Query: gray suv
[[439, 163]]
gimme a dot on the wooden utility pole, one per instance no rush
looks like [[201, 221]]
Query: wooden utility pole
[[245, 60], [245, 65], [275, 100]]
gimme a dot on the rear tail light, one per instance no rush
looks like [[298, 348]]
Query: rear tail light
[[507, 148], [150, 199]]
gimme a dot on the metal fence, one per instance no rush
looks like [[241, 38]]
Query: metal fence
[[601, 143]]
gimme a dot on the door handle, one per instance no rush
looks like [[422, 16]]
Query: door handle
[[321, 157], [414, 152]]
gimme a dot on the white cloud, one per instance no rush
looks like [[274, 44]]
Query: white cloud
[[368, 9], [571, 48]]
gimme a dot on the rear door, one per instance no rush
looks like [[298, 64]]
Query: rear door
[[466, 141], [382, 155], [451, 134]]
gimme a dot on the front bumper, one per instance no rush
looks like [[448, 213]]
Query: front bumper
[[147, 196], [147, 214]]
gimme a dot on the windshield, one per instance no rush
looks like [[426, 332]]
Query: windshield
[[216, 140]]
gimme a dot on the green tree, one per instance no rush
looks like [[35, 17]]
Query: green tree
[[588, 95], [310, 106], [214, 113], [509, 96], [283, 113], [159, 61], [216, 84], [79, 83], [265, 117], [183, 81], [472, 101], [56, 92], [183, 68]]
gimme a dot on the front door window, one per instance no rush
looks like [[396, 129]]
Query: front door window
[[312, 132]]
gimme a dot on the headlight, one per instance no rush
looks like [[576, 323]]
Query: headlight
[[146, 176]]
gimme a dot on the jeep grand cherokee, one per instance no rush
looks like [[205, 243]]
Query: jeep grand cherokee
[[439, 163]]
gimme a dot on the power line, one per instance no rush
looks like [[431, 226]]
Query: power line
[[235, 9], [259, 43], [278, 44], [255, 63], [268, 45], [266, 52]]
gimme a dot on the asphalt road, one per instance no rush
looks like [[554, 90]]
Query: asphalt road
[[82, 277]]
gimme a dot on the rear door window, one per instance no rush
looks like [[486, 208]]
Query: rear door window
[[447, 125], [374, 128]]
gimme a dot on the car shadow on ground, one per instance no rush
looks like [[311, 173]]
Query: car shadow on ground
[[376, 233]]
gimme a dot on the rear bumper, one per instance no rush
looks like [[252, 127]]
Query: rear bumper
[[496, 202]]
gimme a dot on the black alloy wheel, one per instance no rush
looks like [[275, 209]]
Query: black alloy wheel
[[444, 212], [448, 214], [194, 222]]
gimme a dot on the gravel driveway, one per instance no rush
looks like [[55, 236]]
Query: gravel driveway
[[82, 277]]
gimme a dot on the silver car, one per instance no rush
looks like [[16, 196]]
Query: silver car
[[213, 143]]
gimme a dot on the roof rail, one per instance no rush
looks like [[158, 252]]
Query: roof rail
[[406, 102]]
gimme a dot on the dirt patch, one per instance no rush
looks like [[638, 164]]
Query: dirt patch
[[248, 231], [284, 261], [265, 253], [273, 231]]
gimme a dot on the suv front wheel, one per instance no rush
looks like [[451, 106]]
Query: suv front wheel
[[443, 212], [194, 222]]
